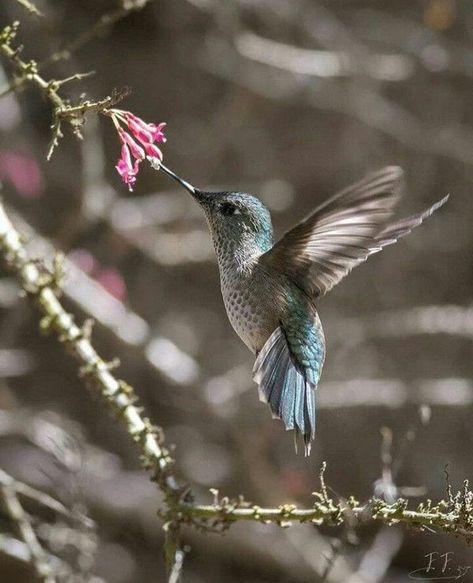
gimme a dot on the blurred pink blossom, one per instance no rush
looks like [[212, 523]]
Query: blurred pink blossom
[[108, 277], [138, 142], [113, 282], [23, 172]]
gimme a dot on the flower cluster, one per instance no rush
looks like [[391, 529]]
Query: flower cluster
[[138, 140]]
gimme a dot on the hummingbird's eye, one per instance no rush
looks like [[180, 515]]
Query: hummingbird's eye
[[227, 209]]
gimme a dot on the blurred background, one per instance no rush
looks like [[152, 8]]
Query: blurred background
[[291, 100]]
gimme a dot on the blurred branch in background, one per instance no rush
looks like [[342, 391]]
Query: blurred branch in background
[[299, 61], [58, 542], [359, 101], [249, 60], [19, 517], [30, 7], [103, 24]]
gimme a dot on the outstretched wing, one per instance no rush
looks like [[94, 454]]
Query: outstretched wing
[[318, 252]]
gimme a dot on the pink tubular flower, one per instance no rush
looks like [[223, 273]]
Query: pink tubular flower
[[158, 134], [136, 151], [126, 168], [137, 143], [154, 152], [150, 131], [141, 133]]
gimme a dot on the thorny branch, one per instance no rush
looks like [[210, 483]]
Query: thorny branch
[[42, 284], [455, 514], [63, 110]]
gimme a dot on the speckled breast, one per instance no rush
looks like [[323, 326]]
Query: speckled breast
[[249, 306]]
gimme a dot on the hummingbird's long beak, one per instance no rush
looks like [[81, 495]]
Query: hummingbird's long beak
[[178, 179]]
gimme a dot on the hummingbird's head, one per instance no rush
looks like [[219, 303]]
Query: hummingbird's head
[[237, 221]]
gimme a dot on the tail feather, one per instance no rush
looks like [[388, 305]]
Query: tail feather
[[279, 391], [290, 396], [270, 369], [285, 407]]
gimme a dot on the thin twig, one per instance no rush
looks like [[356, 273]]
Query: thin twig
[[28, 72], [25, 491], [30, 7], [19, 550], [103, 24], [23, 524], [173, 555], [176, 571]]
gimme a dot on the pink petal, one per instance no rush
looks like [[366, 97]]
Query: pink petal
[[153, 151], [125, 156], [126, 169], [157, 132], [131, 117], [128, 179], [150, 131], [139, 132], [136, 150]]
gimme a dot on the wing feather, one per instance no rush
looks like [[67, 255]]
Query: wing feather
[[341, 233]]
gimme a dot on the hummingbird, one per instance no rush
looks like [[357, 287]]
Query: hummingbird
[[271, 289]]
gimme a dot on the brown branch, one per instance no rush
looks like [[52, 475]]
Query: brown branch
[[28, 72]]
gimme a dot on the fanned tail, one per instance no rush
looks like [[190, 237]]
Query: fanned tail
[[290, 396]]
